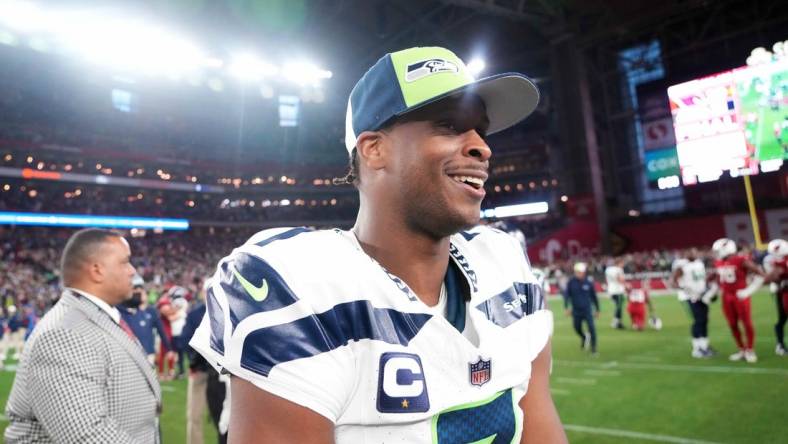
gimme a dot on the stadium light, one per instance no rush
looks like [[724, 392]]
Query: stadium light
[[216, 84], [7, 38], [303, 73], [132, 44], [212, 62], [515, 210], [37, 43], [267, 91], [128, 44], [249, 67], [476, 66], [26, 17]]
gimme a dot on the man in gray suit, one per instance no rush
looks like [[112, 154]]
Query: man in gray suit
[[83, 376]]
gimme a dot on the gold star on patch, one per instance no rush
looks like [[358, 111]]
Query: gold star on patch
[[405, 403]]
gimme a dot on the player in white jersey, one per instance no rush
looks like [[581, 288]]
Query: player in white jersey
[[541, 280], [776, 265], [689, 276], [412, 327], [616, 289]]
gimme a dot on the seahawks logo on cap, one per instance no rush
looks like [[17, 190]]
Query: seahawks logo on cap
[[429, 67]]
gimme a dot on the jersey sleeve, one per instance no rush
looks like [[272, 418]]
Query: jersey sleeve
[[538, 320], [258, 328], [769, 263]]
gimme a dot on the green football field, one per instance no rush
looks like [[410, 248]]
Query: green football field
[[643, 386]]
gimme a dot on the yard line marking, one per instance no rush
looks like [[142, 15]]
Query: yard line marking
[[593, 372], [678, 367], [579, 381], [557, 391], [167, 388], [631, 434], [656, 337], [644, 358]]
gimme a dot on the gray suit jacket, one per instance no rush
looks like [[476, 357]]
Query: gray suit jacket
[[81, 379]]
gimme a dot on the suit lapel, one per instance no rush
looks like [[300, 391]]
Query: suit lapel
[[113, 330]]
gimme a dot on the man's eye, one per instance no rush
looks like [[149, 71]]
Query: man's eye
[[447, 126]]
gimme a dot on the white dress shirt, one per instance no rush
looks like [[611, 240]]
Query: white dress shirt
[[110, 310]]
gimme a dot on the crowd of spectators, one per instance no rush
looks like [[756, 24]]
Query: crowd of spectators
[[29, 270], [26, 196]]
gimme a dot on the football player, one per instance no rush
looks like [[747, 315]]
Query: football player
[[637, 299], [776, 265], [616, 282], [415, 326], [731, 270], [690, 277], [541, 280]]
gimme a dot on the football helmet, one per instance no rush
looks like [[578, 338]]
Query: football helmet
[[723, 248], [778, 248]]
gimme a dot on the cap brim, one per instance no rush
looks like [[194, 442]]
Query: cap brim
[[508, 98]]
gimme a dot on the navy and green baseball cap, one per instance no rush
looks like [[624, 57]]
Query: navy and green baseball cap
[[403, 81]]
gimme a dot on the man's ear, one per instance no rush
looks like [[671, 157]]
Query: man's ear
[[95, 272], [371, 149]]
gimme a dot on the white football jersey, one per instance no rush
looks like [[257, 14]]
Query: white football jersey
[[613, 276], [692, 283], [541, 280], [637, 296], [769, 265], [308, 316]]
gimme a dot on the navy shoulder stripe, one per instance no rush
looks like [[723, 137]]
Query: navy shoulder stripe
[[284, 235], [216, 317], [253, 286], [515, 303], [263, 349]]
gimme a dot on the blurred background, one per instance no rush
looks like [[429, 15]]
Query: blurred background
[[192, 124]]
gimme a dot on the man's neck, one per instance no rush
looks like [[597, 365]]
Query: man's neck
[[416, 258], [95, 292]]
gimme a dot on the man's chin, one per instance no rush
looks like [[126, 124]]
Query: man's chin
[[472, 219]]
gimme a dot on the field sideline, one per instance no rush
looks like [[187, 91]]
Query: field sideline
[[643, 386]]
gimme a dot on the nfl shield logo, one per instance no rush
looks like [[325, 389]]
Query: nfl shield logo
[[480, 371]]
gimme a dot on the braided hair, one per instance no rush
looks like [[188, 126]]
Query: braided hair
[[352, 177]]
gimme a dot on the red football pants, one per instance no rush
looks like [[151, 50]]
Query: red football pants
[[736, 310], [638, 314]]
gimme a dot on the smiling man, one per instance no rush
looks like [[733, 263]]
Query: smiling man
[[416, 326]]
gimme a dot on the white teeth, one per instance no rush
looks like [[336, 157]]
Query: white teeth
[[469, 179]]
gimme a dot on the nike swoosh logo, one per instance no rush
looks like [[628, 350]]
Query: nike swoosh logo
[[257, 293]]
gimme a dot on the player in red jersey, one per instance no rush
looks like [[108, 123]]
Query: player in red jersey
[[731, 270], [637, 298], [776, 265]]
